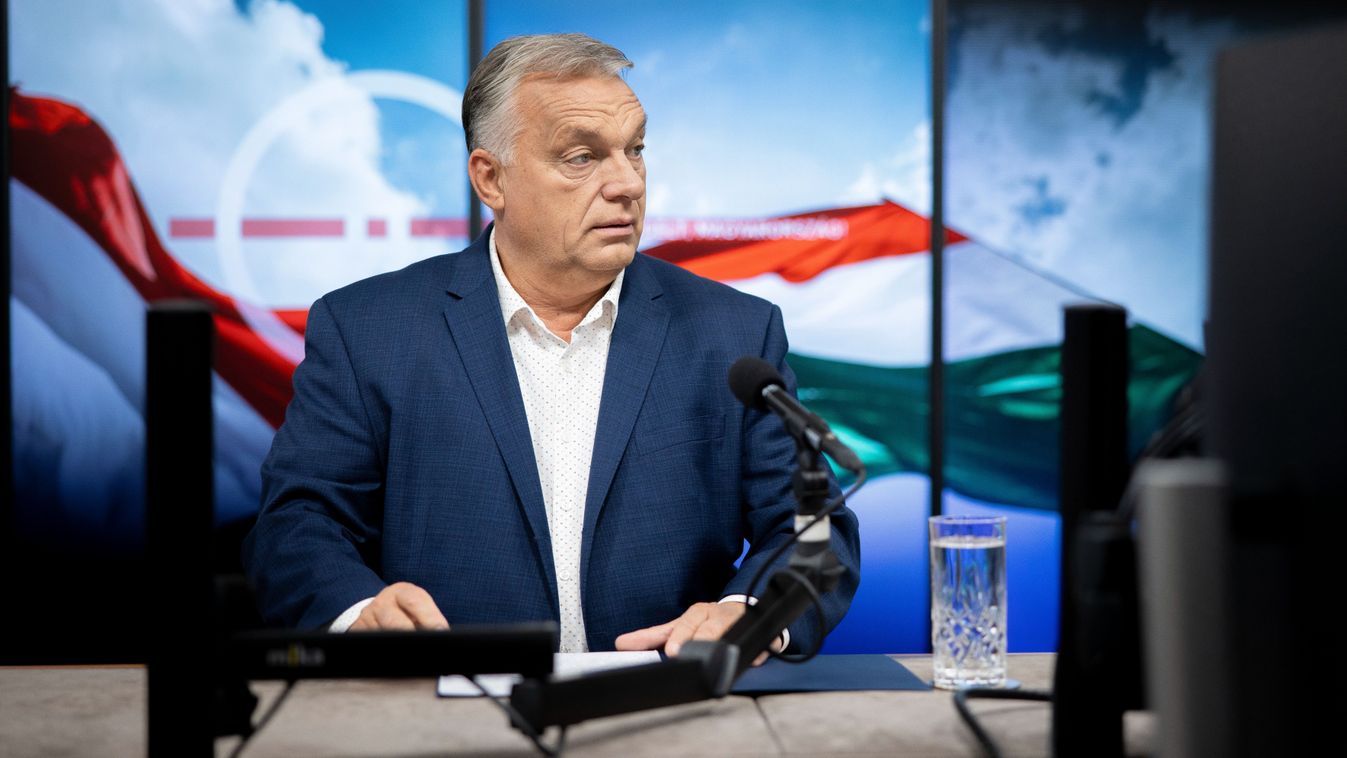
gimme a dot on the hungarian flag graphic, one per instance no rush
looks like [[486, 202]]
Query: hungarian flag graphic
[[855, 299]]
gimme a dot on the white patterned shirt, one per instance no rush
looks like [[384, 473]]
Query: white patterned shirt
[[562, 385]]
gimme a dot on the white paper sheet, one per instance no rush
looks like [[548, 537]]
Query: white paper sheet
[[563, 665]]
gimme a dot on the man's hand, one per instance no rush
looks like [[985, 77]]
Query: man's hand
[[703, 621], [401, 606]]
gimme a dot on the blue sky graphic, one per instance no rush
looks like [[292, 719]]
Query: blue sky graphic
[[756, 108]]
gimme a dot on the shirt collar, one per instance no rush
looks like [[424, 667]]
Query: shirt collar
[[512, 305]]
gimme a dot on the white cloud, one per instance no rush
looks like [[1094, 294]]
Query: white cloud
[[904, 177], [751, 164], [1035, 170], [178, 84]]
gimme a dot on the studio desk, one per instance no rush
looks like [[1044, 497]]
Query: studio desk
[[100, 711]]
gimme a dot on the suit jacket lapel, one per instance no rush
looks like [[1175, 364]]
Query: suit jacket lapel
[[478, 331], [638, 336]]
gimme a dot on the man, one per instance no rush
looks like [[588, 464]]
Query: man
[[539, 426]]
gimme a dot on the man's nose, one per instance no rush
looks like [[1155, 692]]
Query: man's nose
[[624, 180]]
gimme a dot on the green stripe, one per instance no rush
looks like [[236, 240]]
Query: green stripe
[[1001, 414]]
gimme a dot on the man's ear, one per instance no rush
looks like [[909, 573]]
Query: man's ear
[[484, 171]]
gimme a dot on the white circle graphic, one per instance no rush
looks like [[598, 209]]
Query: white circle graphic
[[392, 85]]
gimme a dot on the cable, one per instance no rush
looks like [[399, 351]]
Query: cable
[[962, 696], [517, 719], [266, 718], [818, 606]]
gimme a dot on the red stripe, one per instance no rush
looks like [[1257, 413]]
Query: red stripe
[[872, 231], [439, 227], [296, 319], [376, 227], [191, 228], [294, 227]]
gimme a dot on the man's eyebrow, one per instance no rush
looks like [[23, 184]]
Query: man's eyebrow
[[571, 133], [577, 133]]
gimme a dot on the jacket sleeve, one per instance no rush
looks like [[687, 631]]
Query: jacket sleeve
[[317, 536], [769, 506]]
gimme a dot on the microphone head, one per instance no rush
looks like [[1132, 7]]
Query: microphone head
[[749, 376]]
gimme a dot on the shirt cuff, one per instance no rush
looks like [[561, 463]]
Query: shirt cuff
[[746, 600], [348, 617]]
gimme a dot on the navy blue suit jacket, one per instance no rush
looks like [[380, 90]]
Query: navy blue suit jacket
[[405, 456]]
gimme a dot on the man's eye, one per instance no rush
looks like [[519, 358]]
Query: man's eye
[[580, 160], [637, 151]]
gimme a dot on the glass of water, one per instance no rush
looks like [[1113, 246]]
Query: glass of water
[[968, 601]]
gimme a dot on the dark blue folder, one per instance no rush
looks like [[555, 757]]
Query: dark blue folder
[[827, 673]]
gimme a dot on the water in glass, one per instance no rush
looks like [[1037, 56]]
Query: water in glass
[[968, 608]]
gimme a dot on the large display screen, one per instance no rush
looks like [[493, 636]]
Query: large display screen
[[258, 154]]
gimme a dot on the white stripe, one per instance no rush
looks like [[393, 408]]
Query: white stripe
[[242, 441], [67, 280], [876, 312], [993, 305], [79, 446]]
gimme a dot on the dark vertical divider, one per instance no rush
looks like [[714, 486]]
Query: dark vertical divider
[[179, 514], [7, 515], [935, 424], [936, 421], [476, 33]]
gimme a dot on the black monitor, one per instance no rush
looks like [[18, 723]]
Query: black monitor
[[1277, 377]]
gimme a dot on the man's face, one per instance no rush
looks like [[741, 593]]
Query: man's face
[[573, 197]]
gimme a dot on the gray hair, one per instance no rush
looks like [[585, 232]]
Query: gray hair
[[490, 118]]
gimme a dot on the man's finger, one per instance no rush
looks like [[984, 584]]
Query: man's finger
[[685, 627], [367, 621], [421, 608], [649, 638], [389, 616], [775, 647], [716, 624]]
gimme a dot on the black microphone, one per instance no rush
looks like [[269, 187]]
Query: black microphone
[[758, 385]]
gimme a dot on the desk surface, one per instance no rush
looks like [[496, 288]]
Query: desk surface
[[101, 711]]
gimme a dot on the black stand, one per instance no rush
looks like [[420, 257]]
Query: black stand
[[703, 669], [1098, 673], [179, 510]]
